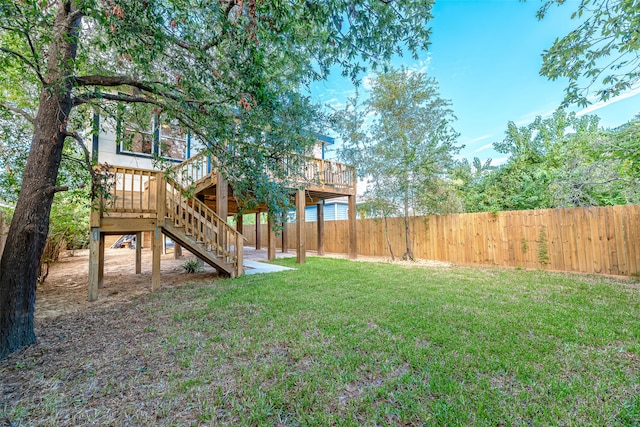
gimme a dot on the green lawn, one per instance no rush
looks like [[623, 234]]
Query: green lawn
[[346, 343]]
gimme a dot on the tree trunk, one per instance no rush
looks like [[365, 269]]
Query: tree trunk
[[407, 235], [30, 225], [386, 235]]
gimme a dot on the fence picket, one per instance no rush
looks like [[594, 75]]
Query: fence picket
[[602, 240]]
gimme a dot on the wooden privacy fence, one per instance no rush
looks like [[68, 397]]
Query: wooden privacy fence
[[602, 240]]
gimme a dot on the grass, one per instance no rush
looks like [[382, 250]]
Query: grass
[[343, 343]]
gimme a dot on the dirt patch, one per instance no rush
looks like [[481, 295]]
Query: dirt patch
[[66, 289]]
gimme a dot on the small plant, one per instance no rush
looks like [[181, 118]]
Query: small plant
[[543, 250], [191, 266]]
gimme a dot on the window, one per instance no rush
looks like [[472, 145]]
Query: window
[[173, 139], [142, 132]]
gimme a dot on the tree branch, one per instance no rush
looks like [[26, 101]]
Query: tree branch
[[23, 113], [95, 179], [113, 81], [26, 61], [56, 188], [88, 97]]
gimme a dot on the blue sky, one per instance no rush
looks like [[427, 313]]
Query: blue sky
[[486, 56]]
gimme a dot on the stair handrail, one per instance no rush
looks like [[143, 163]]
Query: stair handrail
[[193, 170], [210, 229]]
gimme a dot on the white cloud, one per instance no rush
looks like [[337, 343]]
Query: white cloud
[[484, 147], [635, 90], [528, 118], [422, 66], [367, 82]]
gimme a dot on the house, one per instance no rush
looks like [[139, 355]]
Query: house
[[143, 199], [334, 210]]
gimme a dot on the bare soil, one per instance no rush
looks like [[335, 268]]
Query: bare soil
[[65, 290]]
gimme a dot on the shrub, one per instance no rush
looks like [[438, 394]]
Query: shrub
[[191, 266]]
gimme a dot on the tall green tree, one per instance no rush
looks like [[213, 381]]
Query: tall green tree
[[559, 161], [229, 71], [409, 145], [601, 54], [599, 168]]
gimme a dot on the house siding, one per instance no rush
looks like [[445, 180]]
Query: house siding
[[333, 211]]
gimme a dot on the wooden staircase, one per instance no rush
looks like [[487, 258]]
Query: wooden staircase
[[142, 200], [197, 228]]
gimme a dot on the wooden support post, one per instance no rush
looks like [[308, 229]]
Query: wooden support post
[[164, 244], [271, 238], [258, 243], [353, 242], [240, 254], [240, 223], [156, 239], [101, 262], [161, 198], [139, 252], [177, 250], [301, 246], [94, 263], [222, 203], [321, 228], [240, 244], [285, 238]]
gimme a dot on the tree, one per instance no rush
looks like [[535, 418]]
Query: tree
[[602, 52], [599, 168], [229, 71], [409, 145], [560, 161]]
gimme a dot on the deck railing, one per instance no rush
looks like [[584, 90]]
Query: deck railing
[[192, 171], [323, 173], [310, 172], [128, 191]]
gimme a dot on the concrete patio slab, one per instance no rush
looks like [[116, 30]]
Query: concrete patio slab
[[255, 267]]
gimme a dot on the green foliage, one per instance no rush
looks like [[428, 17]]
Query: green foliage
[[561, 161], [69, 219], [543, 247], [407, 148], [14, 145], [600, 54], [192, 266], [232, 73]]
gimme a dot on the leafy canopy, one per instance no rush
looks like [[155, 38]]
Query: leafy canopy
[[409, 143], [602, 53], [231, 72], [559, 161]]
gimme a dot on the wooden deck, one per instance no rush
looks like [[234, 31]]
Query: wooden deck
[[168, 202]]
